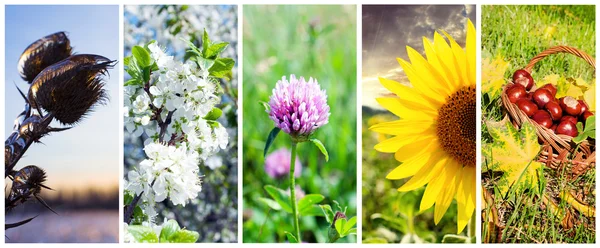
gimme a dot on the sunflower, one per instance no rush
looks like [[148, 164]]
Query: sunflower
[[435, 139]]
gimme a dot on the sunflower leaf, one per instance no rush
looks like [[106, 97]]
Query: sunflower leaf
[[513, 152]]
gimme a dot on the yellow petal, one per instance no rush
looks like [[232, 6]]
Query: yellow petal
[[391, 104], [465, 198], [392, 145], [418, 146], [409, 168], [427, 74], [446, 58], [434, 187], [435, 63], [401, 127], [446, 196], [460, 60], [431, 168], [408, 93], [471, 51]]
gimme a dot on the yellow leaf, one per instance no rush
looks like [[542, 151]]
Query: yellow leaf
[[492, 76], [548, 79], [590, 97], [512, 152]]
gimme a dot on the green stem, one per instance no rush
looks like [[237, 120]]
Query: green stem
[[293, 191], [471, 229]]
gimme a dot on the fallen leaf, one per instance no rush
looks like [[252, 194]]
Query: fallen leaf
[[492, 76], [513, 152]]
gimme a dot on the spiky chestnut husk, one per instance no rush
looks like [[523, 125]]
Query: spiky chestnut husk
[[70, 88], [43, 53]]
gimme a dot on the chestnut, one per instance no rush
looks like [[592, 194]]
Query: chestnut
[[543, 118], [528, 107], [516, 92], [541, 97], [553, 128], [584, 106], [554, 109], [569, 118], [524, 78], [567, 128], [585, 115], [570, 105], [551, 88]]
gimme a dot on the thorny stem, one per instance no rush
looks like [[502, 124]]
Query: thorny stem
[[28, 143], [293, 191]]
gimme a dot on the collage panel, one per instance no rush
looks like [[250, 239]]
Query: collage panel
[[299, 165], [180, 131], [538, 124], [419, 123], [61, 124]]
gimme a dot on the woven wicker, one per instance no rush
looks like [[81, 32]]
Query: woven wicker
[[558, 149]]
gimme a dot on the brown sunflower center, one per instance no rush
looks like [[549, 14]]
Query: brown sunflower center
[[456, 127]]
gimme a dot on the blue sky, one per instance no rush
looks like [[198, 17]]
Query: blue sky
[[87, 155]]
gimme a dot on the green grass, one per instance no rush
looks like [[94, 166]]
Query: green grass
[[518, 33], [309, 41]]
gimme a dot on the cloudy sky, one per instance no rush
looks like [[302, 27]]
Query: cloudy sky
[[388, 29]]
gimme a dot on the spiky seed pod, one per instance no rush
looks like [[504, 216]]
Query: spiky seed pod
[[27, 182], [43, 53], [71, 87]]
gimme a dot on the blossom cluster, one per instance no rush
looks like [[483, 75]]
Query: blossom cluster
[[171, 110]]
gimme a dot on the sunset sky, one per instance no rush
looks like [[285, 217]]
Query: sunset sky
[[86, 156]]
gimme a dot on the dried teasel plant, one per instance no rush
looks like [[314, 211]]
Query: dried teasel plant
[[63, 87]]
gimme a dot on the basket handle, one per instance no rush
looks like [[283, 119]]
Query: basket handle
[[561, 49]]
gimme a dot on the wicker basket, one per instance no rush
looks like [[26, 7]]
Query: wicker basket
[[558, 149]]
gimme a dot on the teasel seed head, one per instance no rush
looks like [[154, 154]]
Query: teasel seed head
[[43, 53], [70, 88], [28, 182]]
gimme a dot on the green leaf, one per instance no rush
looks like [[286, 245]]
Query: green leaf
[[222, 68], [308, 200], [314, 210], [141, 56], [291, 238], [328, 212], [205, 42], [321, 147], [588, 132], [270, 139], [127, 197], [215, 49], [184, 7], [205, 64], [452, 238], [280, 196], [184, 236], [349, 225], [214, 114], [138, 215], [126, 60], [169, 229], [133, 81], [142, 234], [272, 204], [146, 74], [176, 30], [339, 226], [513, 152]]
